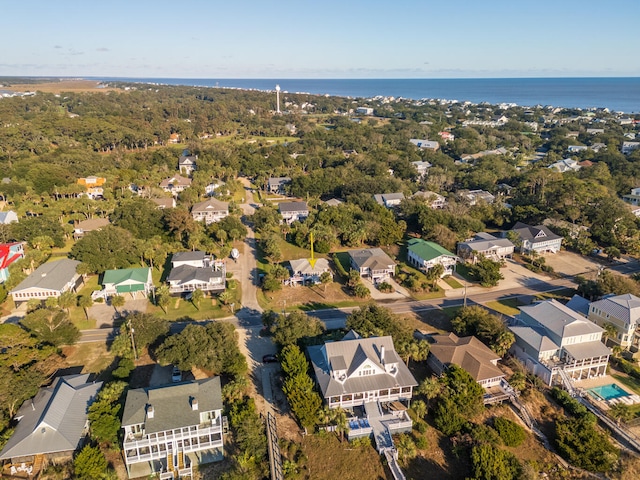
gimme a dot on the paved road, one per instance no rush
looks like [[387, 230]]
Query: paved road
[[334, 318], [248, 266]]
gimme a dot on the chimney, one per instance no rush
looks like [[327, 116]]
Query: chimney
[[194, 404], [150, 411], [382, 354]]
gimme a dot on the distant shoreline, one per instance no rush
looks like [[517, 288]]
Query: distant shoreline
[[620, 94]]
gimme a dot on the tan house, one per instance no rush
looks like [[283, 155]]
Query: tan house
[[175, 184], [466, 352], [86, 226], [210, 211], [621, 311]]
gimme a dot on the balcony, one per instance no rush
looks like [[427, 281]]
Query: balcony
[[155, 446]]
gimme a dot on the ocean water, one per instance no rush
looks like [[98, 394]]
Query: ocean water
[[619, 94]]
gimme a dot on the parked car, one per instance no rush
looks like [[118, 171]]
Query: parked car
[[269, 359], [176, 375]]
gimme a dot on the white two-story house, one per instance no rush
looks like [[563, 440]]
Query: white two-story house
[[210, 211], [171, 428], [425, 255], [372, 263], [292, 211], [552, 340], [485, 244], [196, 271], [537, 239]]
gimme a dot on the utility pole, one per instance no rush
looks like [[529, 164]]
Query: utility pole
[[133, 343], [465, 293]]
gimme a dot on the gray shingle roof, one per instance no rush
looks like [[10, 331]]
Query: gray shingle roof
[[50, 276], [54, 420], [211, 205], [372, 258], [187, 273], [293, 207], [536, 234], [172, 404], [351, 354], [194, 256]]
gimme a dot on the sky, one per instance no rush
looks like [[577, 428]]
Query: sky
[[320, 39]]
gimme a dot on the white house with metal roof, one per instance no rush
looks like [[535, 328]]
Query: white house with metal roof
[[50, 279], [51, 425], [170, 428], [389, 200], [8, 217], [552, 339], [485, 244], [305, 271], [621, 311]]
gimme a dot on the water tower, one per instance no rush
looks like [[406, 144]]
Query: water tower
[[278, 99]]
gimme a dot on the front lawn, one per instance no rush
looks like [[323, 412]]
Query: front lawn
[[209, 308], [507, 306]]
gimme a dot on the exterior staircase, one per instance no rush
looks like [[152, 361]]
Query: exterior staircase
[[38, 463], [568, 384]]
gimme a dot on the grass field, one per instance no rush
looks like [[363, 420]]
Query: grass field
[[62, 86], [507, 306], [452, 282]]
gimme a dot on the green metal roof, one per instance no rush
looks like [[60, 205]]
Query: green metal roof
[[116, 277], [427, 250]]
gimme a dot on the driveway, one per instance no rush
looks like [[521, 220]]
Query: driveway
[[570, 263], [245, 270], [397, 294], [105, 315]]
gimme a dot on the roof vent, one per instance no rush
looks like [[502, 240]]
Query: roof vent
[[150, 411], [194, 404]]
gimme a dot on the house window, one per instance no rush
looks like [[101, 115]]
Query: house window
[[384, 393], [406, 389], [366, 372]]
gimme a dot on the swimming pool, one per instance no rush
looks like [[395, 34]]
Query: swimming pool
[[607, 392]]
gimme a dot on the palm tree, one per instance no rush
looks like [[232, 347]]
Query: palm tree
[[163, 297], [66, 300], [610, 331], [196, 297], [117, 301], [430, 388], [85, 301], [621, 412], [340, 421]]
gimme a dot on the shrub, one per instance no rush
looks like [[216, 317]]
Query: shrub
[[421, 442], [125, 367], [90, 463], [339, 267], [510, 432], [361, 291], [571, 405], [385, 287]]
